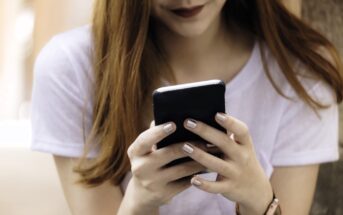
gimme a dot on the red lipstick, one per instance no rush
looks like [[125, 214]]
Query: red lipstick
[[188, 12]]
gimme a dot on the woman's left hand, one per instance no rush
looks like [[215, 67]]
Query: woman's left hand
[[240, 176]]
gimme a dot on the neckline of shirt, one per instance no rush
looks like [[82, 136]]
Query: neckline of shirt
[[247, 75]]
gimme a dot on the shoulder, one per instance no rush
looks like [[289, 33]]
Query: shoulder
[[315, 86], [78, 38], [62, 94], [66, 58], [74, 45]]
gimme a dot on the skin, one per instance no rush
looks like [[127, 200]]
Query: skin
[[198, 49], [241, 178]]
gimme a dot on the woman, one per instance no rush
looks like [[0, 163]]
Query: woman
[[94, 85]]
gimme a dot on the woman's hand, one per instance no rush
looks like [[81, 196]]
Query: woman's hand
[[240, 176], [153, 184]]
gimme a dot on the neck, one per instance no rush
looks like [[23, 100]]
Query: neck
[[219, 53], [192, 51]]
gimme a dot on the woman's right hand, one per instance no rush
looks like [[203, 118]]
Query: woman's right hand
[[152, 184]]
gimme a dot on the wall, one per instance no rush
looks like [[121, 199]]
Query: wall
[[327, 17]]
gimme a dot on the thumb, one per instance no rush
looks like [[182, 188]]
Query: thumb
[[152, 124]]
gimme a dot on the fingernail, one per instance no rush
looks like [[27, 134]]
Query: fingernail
[[209, 145], [187, 148], [168, 128], [191, 123], [221, 117], [195, 182]]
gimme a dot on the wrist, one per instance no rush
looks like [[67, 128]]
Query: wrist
[[129, 206], [259, 203], [133, 203]]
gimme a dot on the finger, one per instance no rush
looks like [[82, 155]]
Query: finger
[[178, 186], [180, 171], [212, 162], [237, 127], [209, 186], [162, 156], [145, 141], [165, 155], [152, 124], [154, 148], [141, 169], [212, 135]]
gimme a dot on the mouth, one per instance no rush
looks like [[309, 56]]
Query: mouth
[[188, 12]]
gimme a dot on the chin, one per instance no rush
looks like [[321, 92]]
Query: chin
[[192, 29], [189, 29]]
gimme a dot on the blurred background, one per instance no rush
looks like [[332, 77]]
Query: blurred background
[[28, 180]]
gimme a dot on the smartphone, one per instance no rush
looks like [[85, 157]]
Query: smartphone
[[199, 100]]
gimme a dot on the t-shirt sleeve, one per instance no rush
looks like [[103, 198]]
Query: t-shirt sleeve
[[305, 137], [58, 106]]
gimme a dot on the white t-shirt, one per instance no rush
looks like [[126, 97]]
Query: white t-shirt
[[284, 132]]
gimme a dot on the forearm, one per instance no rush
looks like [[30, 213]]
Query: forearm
[[259, 205], [128, 207], [295, 187]]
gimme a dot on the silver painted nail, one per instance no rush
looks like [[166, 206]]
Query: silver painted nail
[[168, 128], [221, 117], [191, 124], [196, 182], [187, 148]]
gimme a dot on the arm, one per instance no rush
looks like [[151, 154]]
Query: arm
[[144, 194], [294, 187], [242, 180], [104, 199]]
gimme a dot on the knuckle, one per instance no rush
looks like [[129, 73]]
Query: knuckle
[[198, 154], [148, 184], [175, 150], [135, 172], [144, 183], [141, 137], [230, 123], [139, 148], [234, 186], [227, 139], [186, 168], [205, 186], [200, 128], [130, 151], [169, 153], [137, 169], [244, 157], [244, 129], [198, 168], [229, 187], [159, 134], [227, 169]]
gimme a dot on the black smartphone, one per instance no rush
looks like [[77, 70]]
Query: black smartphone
[[199, 100]]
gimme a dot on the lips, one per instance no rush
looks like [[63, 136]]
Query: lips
[[188, 12]]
